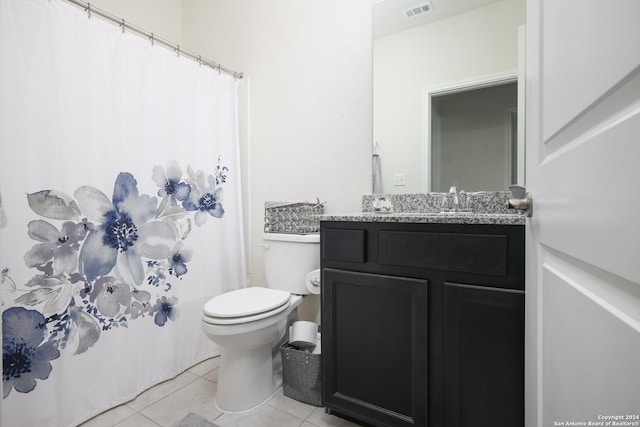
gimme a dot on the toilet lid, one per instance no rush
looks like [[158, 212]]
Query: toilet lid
[[246, 302], [244, 319]]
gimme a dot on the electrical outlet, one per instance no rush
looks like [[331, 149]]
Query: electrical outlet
[[398, 179]]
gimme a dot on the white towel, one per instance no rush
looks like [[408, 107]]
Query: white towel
[[377, 174]]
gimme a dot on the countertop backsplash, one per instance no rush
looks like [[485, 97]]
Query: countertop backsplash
[[482, 202]]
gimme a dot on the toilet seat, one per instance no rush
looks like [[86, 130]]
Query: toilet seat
[[245, 305]]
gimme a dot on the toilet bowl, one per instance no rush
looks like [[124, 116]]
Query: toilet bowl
[[249, 323], [245, 374]]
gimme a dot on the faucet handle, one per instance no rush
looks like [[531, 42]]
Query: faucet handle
[[524, 205], [446, 203], [468, 203]]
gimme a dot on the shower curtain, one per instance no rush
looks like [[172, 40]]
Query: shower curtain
[[119, 178]]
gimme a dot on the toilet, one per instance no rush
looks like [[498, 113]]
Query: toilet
[[249, 323]]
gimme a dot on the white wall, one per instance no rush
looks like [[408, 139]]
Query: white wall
[[308, 66], [479, 43], [162, 17], [309, 70]]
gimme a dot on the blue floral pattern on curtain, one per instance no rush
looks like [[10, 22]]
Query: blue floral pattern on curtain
[[101, 263]]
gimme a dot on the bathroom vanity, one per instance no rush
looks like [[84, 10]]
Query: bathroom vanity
[[423, 318]]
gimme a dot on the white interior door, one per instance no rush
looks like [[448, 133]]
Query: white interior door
[[583, 241]]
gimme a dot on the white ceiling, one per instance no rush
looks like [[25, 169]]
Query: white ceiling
[[389, 16]]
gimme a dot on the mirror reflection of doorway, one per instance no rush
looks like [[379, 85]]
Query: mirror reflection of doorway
[[474, 138]]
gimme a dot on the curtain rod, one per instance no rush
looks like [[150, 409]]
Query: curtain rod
[[154, 39]]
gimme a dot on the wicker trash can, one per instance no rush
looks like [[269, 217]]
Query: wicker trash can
[[301, 375]]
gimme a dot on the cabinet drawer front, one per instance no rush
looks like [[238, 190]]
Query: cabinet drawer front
[[343, 245], [467, 253]]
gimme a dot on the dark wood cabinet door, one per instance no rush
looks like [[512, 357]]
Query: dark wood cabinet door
[[375, 347], [484, 356]]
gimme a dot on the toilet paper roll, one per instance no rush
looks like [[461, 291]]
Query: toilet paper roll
[[303, 334], [318, 348], [313, 282]]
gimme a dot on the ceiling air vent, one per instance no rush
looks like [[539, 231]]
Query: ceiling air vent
[[417, 10]]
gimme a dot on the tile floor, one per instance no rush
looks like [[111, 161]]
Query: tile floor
[[194, 391]]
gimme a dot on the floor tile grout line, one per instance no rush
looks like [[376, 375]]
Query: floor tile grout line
[[196, 377], [133, 415], [301, 421], [286, 413]]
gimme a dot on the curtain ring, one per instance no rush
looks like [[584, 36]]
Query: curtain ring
[[178, 49], [88, 9], [151, 38], [200, 60], [122, 25]]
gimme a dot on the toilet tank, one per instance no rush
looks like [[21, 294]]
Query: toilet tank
[[288, 258]]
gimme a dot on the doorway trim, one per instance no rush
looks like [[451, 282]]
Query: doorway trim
[[449, 88]]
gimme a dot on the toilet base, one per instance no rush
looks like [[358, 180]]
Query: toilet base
[[248, 373], [245, 378]]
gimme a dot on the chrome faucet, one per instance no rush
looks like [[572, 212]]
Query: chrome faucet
[[455, 196]]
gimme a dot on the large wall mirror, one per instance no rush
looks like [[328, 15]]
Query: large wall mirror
[[452, 66]]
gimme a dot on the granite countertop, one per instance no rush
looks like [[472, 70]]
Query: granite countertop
[[489, 207], [433, 218]]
